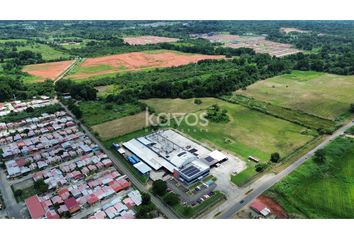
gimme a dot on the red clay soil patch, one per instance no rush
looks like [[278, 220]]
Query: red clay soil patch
[[274, 207], [143, 40], [47, 70], [137, 61]]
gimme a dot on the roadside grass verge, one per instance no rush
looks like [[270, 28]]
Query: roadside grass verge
[[320, 190]]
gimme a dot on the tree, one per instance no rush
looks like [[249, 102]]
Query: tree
[[159, 187], [187, 211], [320, 156], [146, 199], [275, 157], [144, 211], [5, 92], [75, 110], [30, 109], [41, 186], [171, 199], [18, 193]]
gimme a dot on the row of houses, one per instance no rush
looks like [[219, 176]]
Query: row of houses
[[119, 208], [16, 125], [8, 135], [78, 174], [19, 106], [74, 192], [60, 149]]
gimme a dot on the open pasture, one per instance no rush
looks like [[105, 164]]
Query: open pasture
[[320, 190], [320, 94]]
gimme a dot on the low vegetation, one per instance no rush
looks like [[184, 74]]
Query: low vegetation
[[324, 95], [98, 112], [321, 187]]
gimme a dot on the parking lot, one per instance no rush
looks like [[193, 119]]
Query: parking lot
[[223, 174]]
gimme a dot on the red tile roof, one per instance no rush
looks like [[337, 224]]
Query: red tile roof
[[71, 203], [92, 199], [35, 207], [52, 215], [257, 205]]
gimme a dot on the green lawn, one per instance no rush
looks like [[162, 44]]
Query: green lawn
[[248, 133], [321, 190], [48, 53], [321, 94], [292, 115], [96, 112]]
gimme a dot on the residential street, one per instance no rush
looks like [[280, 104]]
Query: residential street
[[13, 209], [164, 209]]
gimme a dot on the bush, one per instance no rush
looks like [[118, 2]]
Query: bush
[[275, 157], [159, 187], [216, 114], [18, 193], [30, 109], [320, 156], [146, 199], [197, 101], [260, 167]]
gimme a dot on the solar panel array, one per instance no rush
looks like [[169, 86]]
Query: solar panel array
[[190, 171], [209, 159]]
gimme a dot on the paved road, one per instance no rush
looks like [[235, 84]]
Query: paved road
[[258, 189], [13, 209], [164, 209]]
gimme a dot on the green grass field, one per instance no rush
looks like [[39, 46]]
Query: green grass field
[[321, 191], [324, 95], [248, 132], [292, 115], [48, 53], [96, 112]]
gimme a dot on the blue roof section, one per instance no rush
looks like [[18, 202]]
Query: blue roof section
[[133, 159]]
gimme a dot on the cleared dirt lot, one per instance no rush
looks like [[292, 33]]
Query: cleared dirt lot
[[143, 40], [258, 43], [289, 30], [47, 70], [135, 61]]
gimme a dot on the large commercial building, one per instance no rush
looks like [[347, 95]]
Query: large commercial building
[[182, 157]]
